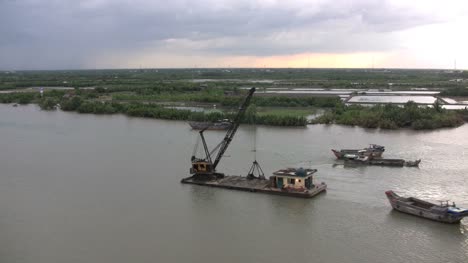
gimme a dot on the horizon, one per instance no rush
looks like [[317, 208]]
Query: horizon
[[230, 68]]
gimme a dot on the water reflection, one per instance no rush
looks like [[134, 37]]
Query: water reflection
[[417, 224]]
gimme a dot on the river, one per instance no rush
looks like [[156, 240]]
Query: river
[[88, 188]]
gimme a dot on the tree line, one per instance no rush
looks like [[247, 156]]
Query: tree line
[[393, 117]]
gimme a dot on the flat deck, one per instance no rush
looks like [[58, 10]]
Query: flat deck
[[241, 183]]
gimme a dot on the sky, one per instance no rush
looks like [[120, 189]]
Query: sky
[[95, 34]]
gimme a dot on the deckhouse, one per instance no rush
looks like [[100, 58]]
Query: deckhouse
[[293, 179]]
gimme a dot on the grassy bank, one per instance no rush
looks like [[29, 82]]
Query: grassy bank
[[216, 96], [87, 103], [394, 117], [455, 92]]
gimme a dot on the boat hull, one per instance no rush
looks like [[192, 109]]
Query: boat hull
[[405, 205], [210, 125], [242, 183], [341, 153], [384, 162]]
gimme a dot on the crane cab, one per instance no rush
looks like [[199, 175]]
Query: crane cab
[[201, 167]]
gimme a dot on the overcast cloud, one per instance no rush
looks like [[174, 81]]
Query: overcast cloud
[[56, 34]]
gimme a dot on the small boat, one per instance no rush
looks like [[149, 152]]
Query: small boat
[[443, 213], [218, 125], [373, 150]]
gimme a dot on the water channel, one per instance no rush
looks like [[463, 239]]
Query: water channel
[[88, 188]]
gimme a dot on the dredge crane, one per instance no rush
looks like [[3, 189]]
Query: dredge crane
[[205, 168]]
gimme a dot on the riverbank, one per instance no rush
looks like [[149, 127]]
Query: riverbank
[[89, 102], [275, 111]]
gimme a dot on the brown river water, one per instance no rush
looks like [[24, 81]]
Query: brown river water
[[88, 188]]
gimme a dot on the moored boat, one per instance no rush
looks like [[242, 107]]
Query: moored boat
[[361, 158], [219, 125], [443, 213], [373, 150]]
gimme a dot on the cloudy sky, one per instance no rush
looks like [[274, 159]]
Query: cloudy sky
[[79, 34]]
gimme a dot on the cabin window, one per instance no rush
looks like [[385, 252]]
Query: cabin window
[[299, 180], [292, 181]]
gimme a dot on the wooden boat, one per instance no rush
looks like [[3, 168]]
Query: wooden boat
[[360, 158], [373, 150], [219, 125], [443, 213]]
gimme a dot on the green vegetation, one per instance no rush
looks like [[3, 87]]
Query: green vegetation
[[455, 92], [279, 117], [19, 97], [229, 101], [286, 111], [393, 117], [141, 93], [160, 112], [48, 103], [86, 102]]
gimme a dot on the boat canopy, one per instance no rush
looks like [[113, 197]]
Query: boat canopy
[[376, 146], [457, 210], [295, 172]]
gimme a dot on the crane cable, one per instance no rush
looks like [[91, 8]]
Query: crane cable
[[195, 149], [255, 140], [255, 168], [216, 148]]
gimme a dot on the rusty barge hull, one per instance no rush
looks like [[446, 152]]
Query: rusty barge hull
[[384, 162], [255, 185]]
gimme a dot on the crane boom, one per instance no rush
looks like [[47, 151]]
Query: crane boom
[[205, 147], [232, 131], [204, 168]]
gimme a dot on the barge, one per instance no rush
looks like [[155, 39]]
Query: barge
[[383, 162], [444, 212], [374, 150], [290, 182], [362, 158], [287, 182]]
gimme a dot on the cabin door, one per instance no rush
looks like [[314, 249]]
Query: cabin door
[[308, 182], [280, 182]]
